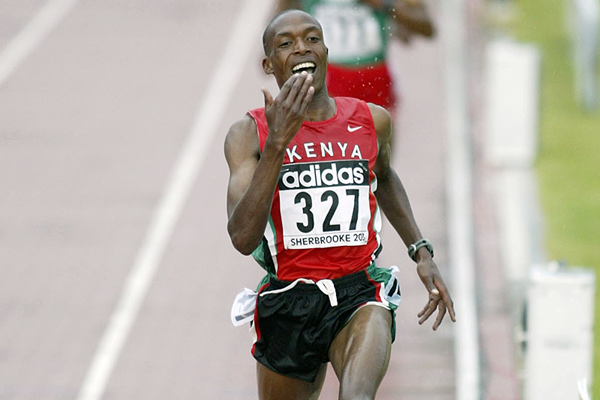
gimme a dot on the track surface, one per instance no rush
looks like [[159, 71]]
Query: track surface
[[92, 125]]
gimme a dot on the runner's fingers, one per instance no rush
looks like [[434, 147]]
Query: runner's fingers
[[290, 99], [427, 311], [448, 302], [445, 297], [424, 310], [285, 89], [426, 316], [427, 306], [434, 294], [305, 95], [307, 99], [452, 313], [440, 316]]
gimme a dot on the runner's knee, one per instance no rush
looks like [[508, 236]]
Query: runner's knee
[[355, 394]]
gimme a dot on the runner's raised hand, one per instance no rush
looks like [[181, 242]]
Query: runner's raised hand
[[286, 113]]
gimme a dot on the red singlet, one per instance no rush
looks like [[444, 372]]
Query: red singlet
[[324, 220]]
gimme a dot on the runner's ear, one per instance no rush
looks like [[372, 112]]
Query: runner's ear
[[267, 67]]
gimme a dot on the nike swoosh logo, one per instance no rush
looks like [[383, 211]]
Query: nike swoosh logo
[[353, 129]]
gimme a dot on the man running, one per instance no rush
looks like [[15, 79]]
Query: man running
[[309, 175]]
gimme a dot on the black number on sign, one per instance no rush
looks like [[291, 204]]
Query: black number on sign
[[353, 192], [310, 219], [335, 201]]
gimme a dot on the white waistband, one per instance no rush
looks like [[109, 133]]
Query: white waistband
[[325, 285]]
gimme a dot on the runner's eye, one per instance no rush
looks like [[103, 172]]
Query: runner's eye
[[284, 44]]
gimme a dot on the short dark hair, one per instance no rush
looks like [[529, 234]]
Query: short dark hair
[[265, 37]]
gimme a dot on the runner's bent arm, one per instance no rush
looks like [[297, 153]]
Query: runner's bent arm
[[391, 196], [253, 175], [393, 200], [411, 14], [252, 182]]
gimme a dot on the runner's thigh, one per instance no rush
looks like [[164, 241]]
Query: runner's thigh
[[274, 386], [360, 353]]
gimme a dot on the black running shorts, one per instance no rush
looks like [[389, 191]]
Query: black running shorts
[[296, 326]]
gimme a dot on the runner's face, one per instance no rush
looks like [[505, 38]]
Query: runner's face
[[296, 45]]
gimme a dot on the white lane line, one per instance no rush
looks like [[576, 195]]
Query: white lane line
[[32, 35], [247, 31], [460, 205]]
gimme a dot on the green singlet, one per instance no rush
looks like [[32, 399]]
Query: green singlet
[[355, 33]]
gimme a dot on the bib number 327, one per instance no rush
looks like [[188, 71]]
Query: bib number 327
[[325, 204]]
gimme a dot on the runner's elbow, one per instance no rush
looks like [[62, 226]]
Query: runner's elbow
[[245, 250], [241, 242]]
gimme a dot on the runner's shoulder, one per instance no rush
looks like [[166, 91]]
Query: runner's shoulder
[[243, 134], [381, 118], [245, 125]]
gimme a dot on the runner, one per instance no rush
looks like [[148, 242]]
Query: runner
[[309, 175]]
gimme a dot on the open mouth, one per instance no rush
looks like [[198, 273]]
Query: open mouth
[[309, 67]]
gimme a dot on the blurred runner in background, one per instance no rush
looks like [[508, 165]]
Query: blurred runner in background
[[357, 34]]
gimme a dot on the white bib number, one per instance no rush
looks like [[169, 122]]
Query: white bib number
[[325, 204], [351, 31]]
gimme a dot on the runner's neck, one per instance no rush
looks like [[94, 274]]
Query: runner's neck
[[322, 107]]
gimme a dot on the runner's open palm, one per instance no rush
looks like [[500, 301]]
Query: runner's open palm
[[286, 113]]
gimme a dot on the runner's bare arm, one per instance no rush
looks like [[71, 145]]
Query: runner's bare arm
[[409, 14], [242, 152], [393, 200], [390, 194], [253, 175]]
